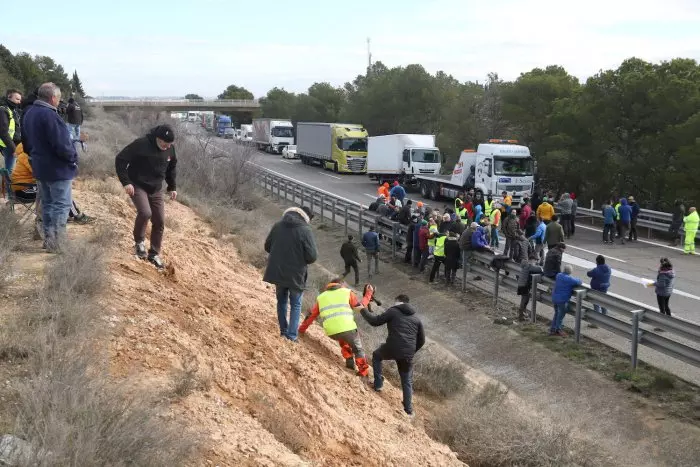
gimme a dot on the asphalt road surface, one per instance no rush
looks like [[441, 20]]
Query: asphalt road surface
[[633, 264]]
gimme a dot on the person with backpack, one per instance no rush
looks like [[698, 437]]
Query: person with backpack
[[74, 119]]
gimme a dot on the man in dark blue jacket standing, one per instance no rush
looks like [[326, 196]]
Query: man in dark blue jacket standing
[[370, 240], [635, 216], [600, 280], [625, 219], [54, 162]]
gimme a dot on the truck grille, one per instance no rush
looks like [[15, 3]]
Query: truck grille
[[357, 165], [517, 187], [425, 171]]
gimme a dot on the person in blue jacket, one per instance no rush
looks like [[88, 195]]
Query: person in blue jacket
[[538, 239], [370, 240], [564, 286], [625, 219], [480, 241], [478, 213], [609, 218], [398, 191], [600, 280]]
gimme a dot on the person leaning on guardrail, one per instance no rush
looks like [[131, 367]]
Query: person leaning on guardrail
[[529, 267], [690, 225], [552, 262], [600, 280], [664, 285], [564, 286]]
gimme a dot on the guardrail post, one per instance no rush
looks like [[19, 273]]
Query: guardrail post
[[394, 237], [323, 202], [465, 266], [346, 220], [636, 318], [579, 314], [536, 278], [359, 222], [497, 280], [311, 201], [285, 191], [333, 214]]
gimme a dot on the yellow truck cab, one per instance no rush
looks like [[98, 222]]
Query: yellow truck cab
[[341, 147]]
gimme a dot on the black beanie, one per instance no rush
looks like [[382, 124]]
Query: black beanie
[[165, 132]]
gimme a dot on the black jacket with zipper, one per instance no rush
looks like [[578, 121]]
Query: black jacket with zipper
[[406, 335], [142, 163]]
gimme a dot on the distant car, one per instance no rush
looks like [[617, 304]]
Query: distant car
[[229, 133], [289, 152]]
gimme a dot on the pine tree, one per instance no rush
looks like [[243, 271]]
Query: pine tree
[[76, 85]]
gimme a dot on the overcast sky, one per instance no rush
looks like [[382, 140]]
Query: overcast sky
[[159, 48]]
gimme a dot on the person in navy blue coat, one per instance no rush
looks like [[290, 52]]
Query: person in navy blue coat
[[564, 286], [625, 219], [600, 280]]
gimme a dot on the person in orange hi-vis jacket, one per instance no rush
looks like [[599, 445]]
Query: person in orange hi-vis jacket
[[384, 190], [334, 307]]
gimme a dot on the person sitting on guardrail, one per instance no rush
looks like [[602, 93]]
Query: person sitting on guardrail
[[677, 215], [552, 262], [690, 225], [453, 255], [370, 241], [529, 267], [609, 216], [335, 308], [538, 239], [564, 285], [384, 210], [438, 255], [664, 285], [545, 211], [384, 190], [635, 217], [480, 240], [600, 280], [397, 191], [348, 251]]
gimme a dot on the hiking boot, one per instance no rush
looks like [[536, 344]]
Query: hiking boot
[[156, 261], [350, 363], [561, 333], [83, 219], [140, 249]]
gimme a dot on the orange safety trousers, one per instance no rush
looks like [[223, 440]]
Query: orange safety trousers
[[351, 346]]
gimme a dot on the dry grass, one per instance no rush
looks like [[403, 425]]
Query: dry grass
[[485, 429], [188, 378], [106, 185], [9, 238]]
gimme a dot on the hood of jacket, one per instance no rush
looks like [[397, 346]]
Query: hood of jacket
[[295, 217], [405, 308], [669, 272], [477, 209], [623, 202]]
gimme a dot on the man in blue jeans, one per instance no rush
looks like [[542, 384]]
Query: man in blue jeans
[[370, 240], [54, 162], [405, 338], [564, 286], [292, 248]]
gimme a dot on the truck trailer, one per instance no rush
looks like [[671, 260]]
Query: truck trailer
[[496, 166], [246, 134], [402, 157], [272, 135], [341, 147]]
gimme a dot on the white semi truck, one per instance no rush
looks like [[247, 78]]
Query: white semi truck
[[245, 134], [272, 135], [496, 166], [402, 157]]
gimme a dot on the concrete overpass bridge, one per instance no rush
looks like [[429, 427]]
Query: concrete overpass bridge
[[174, 105]]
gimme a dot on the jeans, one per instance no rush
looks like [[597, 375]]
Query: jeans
[[423, 259], [560, 310], [56, 202], [73, 131], [566, 224], [9, 159], [608, 232], [289, 328], [405, 366], [633, 229], [494, 236]]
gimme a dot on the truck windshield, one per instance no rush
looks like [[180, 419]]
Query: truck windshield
[[353, 144], [282, 132], [512, 166], [426, 155]]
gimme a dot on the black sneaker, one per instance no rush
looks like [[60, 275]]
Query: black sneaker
[[140, 249], [156, 261], [350, 363], [83, 219]]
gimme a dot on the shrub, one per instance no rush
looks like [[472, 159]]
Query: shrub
[[188, 379], [9, 238]]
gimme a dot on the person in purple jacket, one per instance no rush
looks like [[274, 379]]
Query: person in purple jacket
[[479, 241], [600, 280], [564, 286]]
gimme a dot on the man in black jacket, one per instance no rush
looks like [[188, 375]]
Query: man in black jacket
[[406, 337], [348, 251], [74, 118], [141, 167]]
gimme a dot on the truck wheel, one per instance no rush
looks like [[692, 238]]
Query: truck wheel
[[335, 166], [424, 190]]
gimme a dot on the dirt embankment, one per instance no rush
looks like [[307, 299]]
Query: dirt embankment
[[208, 332]]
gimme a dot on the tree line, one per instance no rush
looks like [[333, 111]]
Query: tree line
[[25, 73], [630, 131]]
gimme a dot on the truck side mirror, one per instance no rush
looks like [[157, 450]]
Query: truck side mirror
[[489, 169], [407, 157]]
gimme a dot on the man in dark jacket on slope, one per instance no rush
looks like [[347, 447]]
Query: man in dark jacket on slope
[[405, 338], [348, 251], [292, 248], [141, 167]]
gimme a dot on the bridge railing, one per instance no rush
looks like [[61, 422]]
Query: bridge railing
[[639, 324]]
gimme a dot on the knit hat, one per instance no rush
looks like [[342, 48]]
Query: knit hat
[[165, 132], [308, 212], [423, 222], [419, 204]]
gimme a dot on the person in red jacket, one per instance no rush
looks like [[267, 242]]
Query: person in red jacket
[[525, 211], [423, 235], [349, 339]]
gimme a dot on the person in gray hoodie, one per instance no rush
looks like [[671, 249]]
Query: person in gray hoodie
[[565, 207], [664, 285]]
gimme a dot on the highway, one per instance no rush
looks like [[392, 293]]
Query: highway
[[633, 264]]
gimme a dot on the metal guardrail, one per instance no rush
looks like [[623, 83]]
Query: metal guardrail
[[624, 318], [648, 219]]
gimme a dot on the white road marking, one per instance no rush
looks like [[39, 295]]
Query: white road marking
[[649, 242], [287, 162], [568, 245], [329, 175], [371, 196]]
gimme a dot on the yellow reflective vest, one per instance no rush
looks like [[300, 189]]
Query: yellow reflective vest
[[440, 246], [463, 214], [11, 128], [488, 207], [433, 230], [335, 311]]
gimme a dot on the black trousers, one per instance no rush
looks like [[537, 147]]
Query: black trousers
[[352, 265], [633, 229], [437, 261], [663, 304]]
